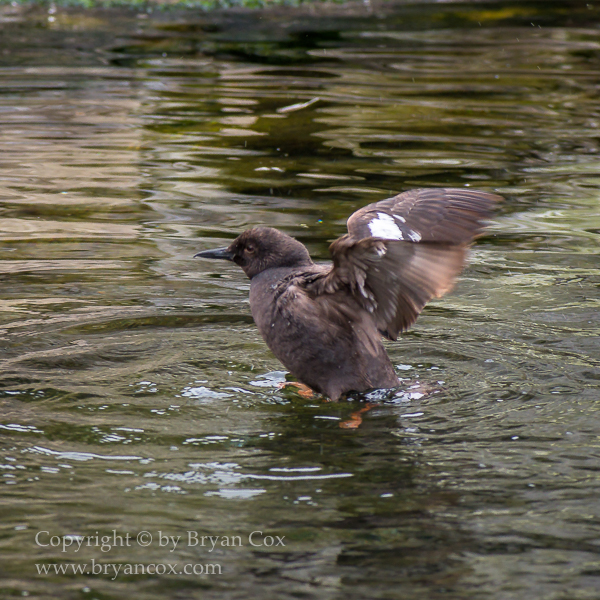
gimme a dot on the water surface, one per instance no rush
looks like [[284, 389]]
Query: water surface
[[137, 395]]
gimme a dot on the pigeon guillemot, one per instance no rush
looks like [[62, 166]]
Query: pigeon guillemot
[[325, 322]]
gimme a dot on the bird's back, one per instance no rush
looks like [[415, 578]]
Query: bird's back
[[328, 341]]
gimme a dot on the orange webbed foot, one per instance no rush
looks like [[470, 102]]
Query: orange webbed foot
[[303, 390]]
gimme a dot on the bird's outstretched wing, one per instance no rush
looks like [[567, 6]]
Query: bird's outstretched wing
[[450, 215], [402, 252]]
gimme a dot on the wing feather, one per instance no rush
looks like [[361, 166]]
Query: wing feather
[[402, 252], [453, 215]]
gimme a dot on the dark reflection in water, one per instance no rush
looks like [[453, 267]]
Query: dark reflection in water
[[136, 393]]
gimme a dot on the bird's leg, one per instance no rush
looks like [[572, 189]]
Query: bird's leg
[[356, 417], [303, 390]]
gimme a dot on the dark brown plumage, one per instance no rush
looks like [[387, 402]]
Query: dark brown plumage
[[325, 322]]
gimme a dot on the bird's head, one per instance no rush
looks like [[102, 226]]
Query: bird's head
[[262, 248]]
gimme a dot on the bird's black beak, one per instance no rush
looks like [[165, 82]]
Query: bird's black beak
[[222, 253]]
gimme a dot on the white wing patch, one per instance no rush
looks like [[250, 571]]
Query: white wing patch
[[385, 227]]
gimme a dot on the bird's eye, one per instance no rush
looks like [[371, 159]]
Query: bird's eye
[[250, 249]]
